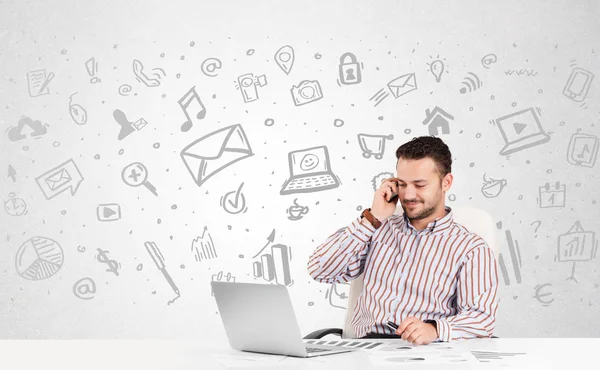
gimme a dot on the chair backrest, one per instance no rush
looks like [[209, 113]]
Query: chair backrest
[[474, 219]]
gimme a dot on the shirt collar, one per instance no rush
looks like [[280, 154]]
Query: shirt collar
[[440, 223]]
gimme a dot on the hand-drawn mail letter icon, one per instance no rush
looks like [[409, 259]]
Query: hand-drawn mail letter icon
[[402, 85], [216, 151], [59, 179]]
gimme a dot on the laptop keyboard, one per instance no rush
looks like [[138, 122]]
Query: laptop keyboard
[[314, 349], [311, 182]]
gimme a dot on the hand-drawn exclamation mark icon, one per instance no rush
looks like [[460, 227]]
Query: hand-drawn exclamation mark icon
[[92, 67]]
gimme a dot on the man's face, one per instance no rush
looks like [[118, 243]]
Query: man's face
[[420, 188]]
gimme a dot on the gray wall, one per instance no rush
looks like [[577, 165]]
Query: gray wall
[[538, 54]]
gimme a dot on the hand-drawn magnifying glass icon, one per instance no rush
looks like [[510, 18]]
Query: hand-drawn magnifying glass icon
[[136, 174]]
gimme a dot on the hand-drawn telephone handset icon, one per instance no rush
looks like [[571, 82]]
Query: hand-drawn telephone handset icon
[[138, 70]]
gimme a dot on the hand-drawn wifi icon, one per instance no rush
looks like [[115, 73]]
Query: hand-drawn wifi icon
[[470, 83]]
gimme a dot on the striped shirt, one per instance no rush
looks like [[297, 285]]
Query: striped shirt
[[443, 273]]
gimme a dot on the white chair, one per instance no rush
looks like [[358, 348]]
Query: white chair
[[474, 219]]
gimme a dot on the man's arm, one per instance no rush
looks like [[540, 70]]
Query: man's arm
[[477, 299]]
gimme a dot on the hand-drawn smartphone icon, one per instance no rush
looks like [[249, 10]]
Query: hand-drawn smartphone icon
[[578, 84]]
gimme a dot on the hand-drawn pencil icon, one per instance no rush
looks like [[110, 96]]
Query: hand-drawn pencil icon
[[84, 288], [38, 82], [220, 277], [306, 92], [211, 66], [578, 84], [136, 174], [113, 266], [159, 261], [521, 130], [150, 80], [37, 129], [583, 150], [127, 127], [296, 212], [248, 85], [60, 178], [108, 212], [284, 57], [515, 257], [15, 206], [91, 67], [212, 153], [349, 70], [234, 202], [373, 145], [39, 258], [310, 171], [397, 87], [191, 103], [203, 246], [437, 68], [552, 196], [577, 245], [77, 112], [470, 83], [438, 119], [491, 187], [275, 266], [488, 60]]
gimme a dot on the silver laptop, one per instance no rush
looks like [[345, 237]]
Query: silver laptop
[[260, 318]]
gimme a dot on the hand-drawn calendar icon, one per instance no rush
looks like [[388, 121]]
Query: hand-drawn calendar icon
[[583, 150], [553, 196]]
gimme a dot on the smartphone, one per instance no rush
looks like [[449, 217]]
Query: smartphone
[[394, 195], [578, 84]]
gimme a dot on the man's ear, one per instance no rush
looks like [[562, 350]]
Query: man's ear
[[447, 182]]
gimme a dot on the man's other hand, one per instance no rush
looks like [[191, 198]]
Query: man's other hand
[[416, 331]]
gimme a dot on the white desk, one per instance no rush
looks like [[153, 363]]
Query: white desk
[[160, 354]]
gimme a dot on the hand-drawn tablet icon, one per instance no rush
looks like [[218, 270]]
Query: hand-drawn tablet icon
[[212, 153], [284, 57], [310, 171], [521, 130], [578, 84], [57, 180], [39, 258], [583, 150]]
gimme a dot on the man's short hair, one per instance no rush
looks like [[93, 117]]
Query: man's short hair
[[428, 146]]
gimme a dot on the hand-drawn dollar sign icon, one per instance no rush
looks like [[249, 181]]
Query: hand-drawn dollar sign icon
[[113, 265]]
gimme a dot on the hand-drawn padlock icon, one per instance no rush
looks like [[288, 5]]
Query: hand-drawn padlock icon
[[349, 69]]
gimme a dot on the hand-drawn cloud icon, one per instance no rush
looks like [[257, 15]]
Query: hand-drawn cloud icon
[[309, 171], [15, 133], [216, 151], [62, 177], [521, 130], [39, 258], [306, 92], [583, 150]]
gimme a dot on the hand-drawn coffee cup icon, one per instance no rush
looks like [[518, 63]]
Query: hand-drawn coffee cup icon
[[491, 187], [306, 92], [136, 174], [296, 211], [39, 258], [349, 70]]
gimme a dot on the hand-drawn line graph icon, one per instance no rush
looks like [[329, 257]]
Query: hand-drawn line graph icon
[[203, 246], [373, 145], [39, 258], [212, 153], [576, 245], [310, 171], [583, 150], [552, 196], [521, 130]]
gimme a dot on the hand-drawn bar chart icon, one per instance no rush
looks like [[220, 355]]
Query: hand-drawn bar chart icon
[[576, 245], [275, 266]]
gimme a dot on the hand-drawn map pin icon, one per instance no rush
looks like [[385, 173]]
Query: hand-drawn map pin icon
[[284, 57]]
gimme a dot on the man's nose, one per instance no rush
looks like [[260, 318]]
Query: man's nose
[[410, 192]]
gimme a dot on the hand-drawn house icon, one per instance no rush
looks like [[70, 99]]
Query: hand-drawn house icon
[[436, 119]]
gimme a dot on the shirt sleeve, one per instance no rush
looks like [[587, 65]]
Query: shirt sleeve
[[476, 299], [342, 256]]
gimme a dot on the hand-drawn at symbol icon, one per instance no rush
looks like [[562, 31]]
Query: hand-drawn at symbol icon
[[470, 83], [84, 288], [438, 119], [124, 90], [12, 173], [38, 128], [284, 57], [491, 187], [204, 247], [539, 223], [521, 130], [136, 174], [234, 202], [275, 266], [38, 81], [336, 295], [127, 127], [552, 197], [91, 67], [15, 206], [437, 68], [152, 80], [113, 266], [191, 103], [306, 92], [77, 112], [538, 288], [577, 245], [397, 87], [578, 84], [219, 277], [159, 261], [488, 60], [377, 180], [310, 171], [211, 66], [39, 258], [60, 178], [108, 212], [373, 145], [247, 84], [296, 212], [349, 70], [583, 150], [216, 151]]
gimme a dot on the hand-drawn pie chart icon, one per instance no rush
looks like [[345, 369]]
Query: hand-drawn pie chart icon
[[39, 258]]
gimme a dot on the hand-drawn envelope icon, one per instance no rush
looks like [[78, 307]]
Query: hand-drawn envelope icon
[[216, 151], [402, 85], [58, 179]]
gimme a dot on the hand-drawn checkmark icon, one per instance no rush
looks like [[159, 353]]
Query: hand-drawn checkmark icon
[[235, 205]]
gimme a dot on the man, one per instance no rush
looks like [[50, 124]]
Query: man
[[431, 276]]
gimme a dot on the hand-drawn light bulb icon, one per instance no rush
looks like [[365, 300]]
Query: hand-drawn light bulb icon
[[437, 68]]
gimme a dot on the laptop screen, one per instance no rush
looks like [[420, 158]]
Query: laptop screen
[[309, 161]]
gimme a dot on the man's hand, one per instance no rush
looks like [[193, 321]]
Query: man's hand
[[416, 331]]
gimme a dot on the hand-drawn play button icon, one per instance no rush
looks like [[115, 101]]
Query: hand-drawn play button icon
[[521, 130], [108, 212]]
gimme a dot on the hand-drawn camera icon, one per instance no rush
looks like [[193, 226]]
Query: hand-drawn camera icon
[[306, 92]]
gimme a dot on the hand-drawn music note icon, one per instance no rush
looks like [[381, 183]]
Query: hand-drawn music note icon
[[191, 98]]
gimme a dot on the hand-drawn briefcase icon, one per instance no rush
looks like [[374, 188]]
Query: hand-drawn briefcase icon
[[349, 70], [216, 151]]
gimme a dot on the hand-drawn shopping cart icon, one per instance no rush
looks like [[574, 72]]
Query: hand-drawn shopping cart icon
[[373, 145]]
